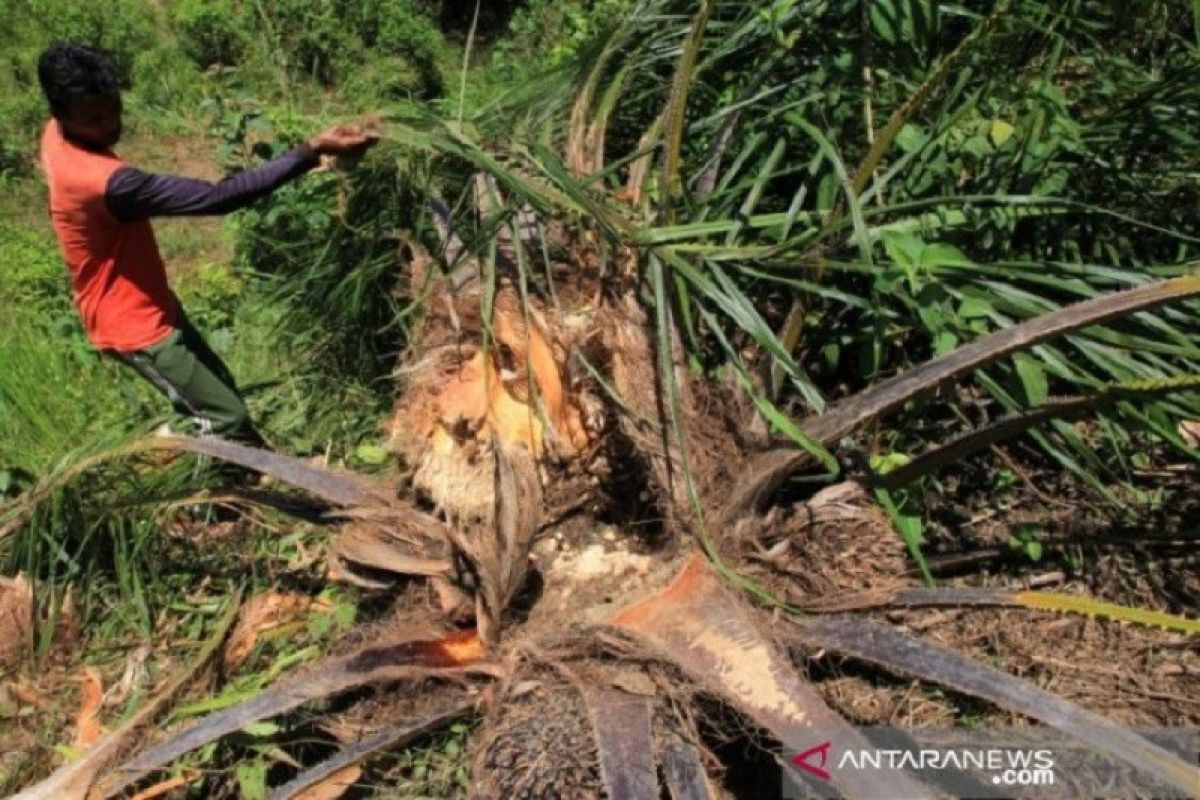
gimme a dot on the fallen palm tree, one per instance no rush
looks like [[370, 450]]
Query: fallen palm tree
[[485, 503]]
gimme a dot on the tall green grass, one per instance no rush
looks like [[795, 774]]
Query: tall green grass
[[60, 402], [103, 530]]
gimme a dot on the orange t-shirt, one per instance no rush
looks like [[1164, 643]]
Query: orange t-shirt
[[117, 274]]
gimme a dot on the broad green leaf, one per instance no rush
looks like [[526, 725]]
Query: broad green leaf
[[910, 137], [1000, 132], [944, 342], [261, 729], [941, 255], [1033, 378], [883, 463], [903, 248], [371, 454], [252, 779], [974, 308]]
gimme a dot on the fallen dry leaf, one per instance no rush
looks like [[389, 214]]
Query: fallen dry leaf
[[1189, 430], [133, 676], [68, 630], [26, 694], [347, 732], [332, 787], [73, 780], [262, 612], [16, 621], [87, 722], [161, 788]]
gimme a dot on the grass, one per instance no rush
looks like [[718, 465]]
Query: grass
[[439, 768], [112, 539]]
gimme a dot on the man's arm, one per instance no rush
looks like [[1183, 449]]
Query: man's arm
[[132, 194]]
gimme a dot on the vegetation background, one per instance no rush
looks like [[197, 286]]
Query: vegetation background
[[1053, 158], [214, 86]]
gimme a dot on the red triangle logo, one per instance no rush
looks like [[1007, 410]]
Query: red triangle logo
[[817, 770]]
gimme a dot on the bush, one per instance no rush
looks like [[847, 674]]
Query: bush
[[21, 114], [54, 388], [35, 281], [125, 28], [551, 33], [326, 41], [327, 251], [210, 31], [165, 79], [396, 28]]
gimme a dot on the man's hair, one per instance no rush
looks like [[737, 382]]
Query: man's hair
[[69, 72]]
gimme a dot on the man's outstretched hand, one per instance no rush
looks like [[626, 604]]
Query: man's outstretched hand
[[352, 139]]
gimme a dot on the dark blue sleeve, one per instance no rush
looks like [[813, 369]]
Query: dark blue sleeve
[[132, 194]]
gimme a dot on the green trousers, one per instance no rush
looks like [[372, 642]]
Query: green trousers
[[184, 368]]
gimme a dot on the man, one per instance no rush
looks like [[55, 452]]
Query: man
[[101, 207]]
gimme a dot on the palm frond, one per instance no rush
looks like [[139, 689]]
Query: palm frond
[[901, 652], [697, 625]]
